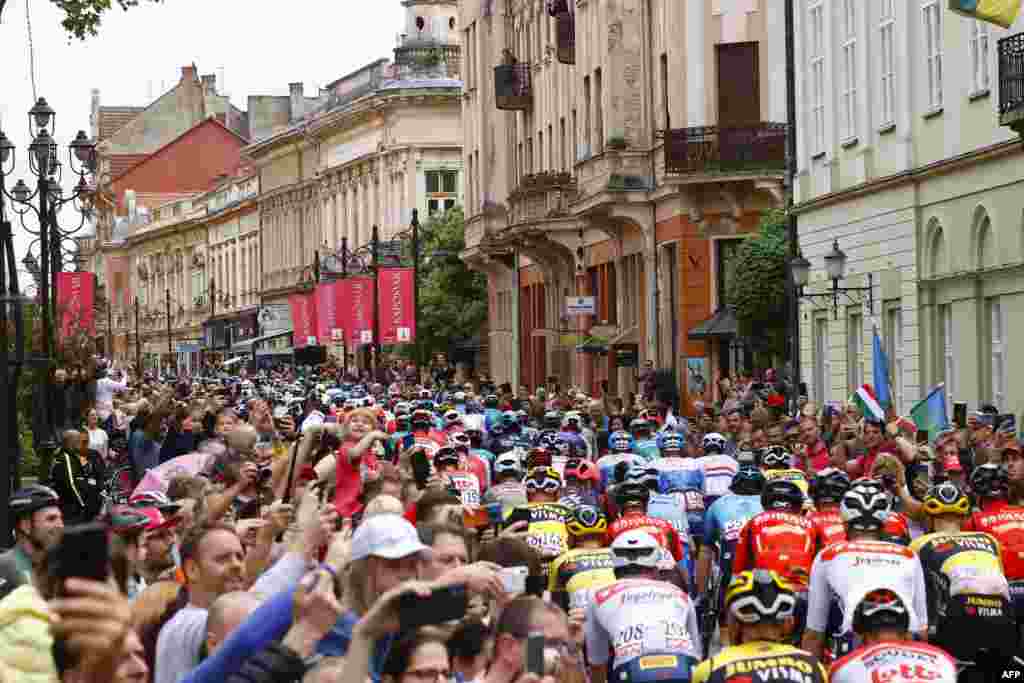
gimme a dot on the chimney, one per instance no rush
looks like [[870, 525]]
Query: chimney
[[129, 201], [296, 92], [94, 115], [188, 73], [210, 84]]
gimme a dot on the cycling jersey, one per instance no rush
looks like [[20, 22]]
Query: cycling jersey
[[1006, 523], [574, 575], [718, 473], [510, 494], [846, 571], [678, 474], [547, 533], [783, 542], [724, 522], [662, 530], [760, 661], [635, 617], [896, 662], [647, 449], [695, 513], [828, 526], [468, 486], [606, 466]]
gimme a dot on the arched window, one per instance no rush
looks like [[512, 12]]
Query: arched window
[[983, 246], [935, 260]]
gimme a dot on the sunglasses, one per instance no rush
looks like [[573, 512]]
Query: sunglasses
[[549, 485]]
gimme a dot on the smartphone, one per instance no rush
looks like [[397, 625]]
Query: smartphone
[[442, 605], [922, 436], [514, 579], [960, 414], [533, 654], [1007, 423], [84, 553], [475, 518], [420, 468]]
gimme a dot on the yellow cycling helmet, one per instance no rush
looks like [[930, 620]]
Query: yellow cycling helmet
[[544, 479], [587, 520], [947, 499], [759, 596]]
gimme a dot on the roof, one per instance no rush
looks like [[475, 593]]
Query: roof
[[400, 84], [721, 325], [113, 119], [119, 163], [147, 157]]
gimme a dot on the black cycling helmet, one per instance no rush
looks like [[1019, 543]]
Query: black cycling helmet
[[829, 485], [632, 492], [880, 609], [866, 506], [782, 494], [748, 481], [759, 596], [27, 500], [773, 458], [990, 481]]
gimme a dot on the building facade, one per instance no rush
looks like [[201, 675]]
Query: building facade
[[902, 162], [380, 142], [618, 150]]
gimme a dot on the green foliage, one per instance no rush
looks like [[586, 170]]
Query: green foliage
[[453, 298], [82, 18], [758, 290]]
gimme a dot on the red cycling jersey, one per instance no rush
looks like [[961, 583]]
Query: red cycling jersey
[[661, 529], [783, 542], [897, 529], [828, 526], [1006, 523]]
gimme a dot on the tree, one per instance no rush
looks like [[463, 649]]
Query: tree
[[758, 291], [82, 17], [452, 298]]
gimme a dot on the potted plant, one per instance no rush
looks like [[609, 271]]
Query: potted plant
[[617, 142]]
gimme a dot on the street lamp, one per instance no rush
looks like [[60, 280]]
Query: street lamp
[[835, 268]]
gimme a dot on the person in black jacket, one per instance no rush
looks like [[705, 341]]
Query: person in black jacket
[[78, 474], [181, 438]]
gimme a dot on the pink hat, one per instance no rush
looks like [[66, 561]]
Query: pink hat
[[156, 519], [951, 463]]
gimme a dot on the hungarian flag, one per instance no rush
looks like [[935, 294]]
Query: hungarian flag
[[999, 12], [866, 400]]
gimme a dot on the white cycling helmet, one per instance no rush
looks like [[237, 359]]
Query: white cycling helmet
[[714, 442], [635, 548]]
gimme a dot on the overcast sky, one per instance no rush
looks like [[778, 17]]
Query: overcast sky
[[259, 47]]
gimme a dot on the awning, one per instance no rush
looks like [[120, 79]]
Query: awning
[[721, 325], [247, 345]]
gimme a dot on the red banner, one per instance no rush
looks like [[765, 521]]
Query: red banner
[[304, 320], [76, 296], [395, 288], [116, 274], [328, 317], [357, 310]]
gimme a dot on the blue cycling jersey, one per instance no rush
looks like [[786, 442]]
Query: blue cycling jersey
[[606, 466], [647, 448], [679, 474], [724, 521]]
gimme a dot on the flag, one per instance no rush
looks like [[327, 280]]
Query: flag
[[880, 372], [865, 399], [999, 12], [930, 412]]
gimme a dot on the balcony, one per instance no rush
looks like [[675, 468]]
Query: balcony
[[726, 149], [1011, 82], [565, 30], [540, 196], [513, 88], [418, 58]]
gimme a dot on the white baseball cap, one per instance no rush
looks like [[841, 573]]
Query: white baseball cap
[[388, 536]]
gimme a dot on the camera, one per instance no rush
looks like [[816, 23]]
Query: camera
[[265, 473]]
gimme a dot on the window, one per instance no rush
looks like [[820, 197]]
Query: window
[[561, 147], [821, 362], [433, 181], [816, 27], [947, 346], [540, 151], [849, 66], [931, 14], [894, 351], [586, 115], [997, 352], [450, 180], [664, 91], [887, 47], [599, 111], [979, 57], [854, 351]]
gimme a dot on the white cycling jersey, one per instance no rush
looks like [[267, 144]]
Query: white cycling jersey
[[847, 570], [635, 617], [718, 473], [902, 662]]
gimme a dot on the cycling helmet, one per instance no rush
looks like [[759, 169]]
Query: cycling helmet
[[27, 500], [782, 494], [538, 457], [473, 423], [509, 418], [552, 420], [446, 455], [452, 417], [774, 458], [459, 397], [572, 420], [155, 499], [628, 493], [547, 439], [880, 609], [829, 485], [402, 408], [425, 395], [635, 549], [748, 481], [545, 479], [490, 401], [639, 424], [459, 439], [523, 417], [422, 419], [758, 596], [671, 441], [714, 443], [946, 499], [508, 464], [620, 442], [126, 520], [566, 448], [866, 506], [990, 481], [587, 520], [582, 470]]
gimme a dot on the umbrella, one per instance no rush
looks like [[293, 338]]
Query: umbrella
[[159, 477]]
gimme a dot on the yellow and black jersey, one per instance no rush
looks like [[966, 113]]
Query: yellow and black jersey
[[761, 661], [575, 574]]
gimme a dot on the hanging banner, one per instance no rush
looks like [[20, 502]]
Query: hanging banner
[[303, 308], [395, 290], [327, 313], [356, 296], [76, 295], [116, 273], [999, 12]]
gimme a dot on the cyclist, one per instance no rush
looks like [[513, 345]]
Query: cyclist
[[646, 444], [632, 496], [775, 462], [546, 520], [718, 468], [508, 489], [863, 559], [760, 606], [638, 617], [676, 471], [38, 525], [882, 620], [588, 566], [722, 526], [991, 484], [968, 596], [581, 481], [827, 489]]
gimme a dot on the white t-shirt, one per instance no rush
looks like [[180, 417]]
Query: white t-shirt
[[849, 569], [177, 646], [98, 441], [105, 390]]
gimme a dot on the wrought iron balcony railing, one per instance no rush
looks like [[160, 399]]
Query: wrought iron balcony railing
[[427, 56], [513, 87], [1011, 81], [730, 149]]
